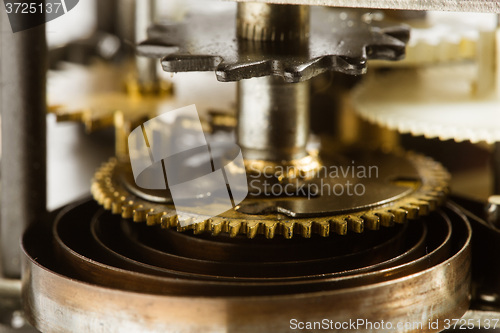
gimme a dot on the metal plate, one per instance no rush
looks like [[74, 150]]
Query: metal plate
[[339, 41], [486, 6]]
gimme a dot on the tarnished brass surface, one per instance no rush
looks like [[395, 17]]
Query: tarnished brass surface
[[104, 297], [390, 201]]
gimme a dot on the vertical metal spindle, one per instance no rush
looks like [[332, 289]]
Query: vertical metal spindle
[[23, 161]]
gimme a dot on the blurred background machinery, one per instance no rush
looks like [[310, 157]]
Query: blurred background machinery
[[408, 88]]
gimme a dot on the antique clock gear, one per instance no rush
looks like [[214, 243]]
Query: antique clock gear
[[405, 99], [414, 95], [271, 258], [207, 42], [438, 37], [424, 189], [347, 42]]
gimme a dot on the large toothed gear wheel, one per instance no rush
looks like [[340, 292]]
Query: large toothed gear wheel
[[407, 187], [441, 38], [434, 102], [338, 40]]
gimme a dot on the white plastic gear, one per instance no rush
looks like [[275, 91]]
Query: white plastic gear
[[436, 102], [444, 37]]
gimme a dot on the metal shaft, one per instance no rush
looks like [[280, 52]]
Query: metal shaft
[[273, 119], [144, 18], [23, 166], [273, 116], [266, 22], [105, 11]]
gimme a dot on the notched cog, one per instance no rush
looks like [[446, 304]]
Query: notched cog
[[435, 102], [409, 186], [95, 94], [339, 40]]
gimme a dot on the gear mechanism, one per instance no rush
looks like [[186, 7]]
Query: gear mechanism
[[406, 101], [338, 40], [416, 186]]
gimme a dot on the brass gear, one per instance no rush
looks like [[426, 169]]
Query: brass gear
[[109, 191]]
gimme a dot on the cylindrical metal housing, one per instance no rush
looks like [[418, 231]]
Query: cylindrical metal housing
[[273, 118], [144, 18], [266, 22], [23, 99]]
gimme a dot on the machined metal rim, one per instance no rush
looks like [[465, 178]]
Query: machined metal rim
[[58, 301]]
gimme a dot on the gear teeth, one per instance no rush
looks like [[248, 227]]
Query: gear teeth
[[99, 195], [227, 72], [216, 227], [412, 211], [432, 201], [423, 207], [306, 229], [234, 59], [321, 228], [184, 62], [270, 228], [116, 205], [140, 214], [287, 229], [339, 225], [441, 196], [355, 224], [128, 210], [113, 202], [252, 229], [153, 217], [399, 215], [107, 202], [199, 228], [94, 189], [372, 221], [234, 228], [386, 219], [427, 197], [169, 220], [187, 224]]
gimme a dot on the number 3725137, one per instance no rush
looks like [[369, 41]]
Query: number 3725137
[[32, 8]]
